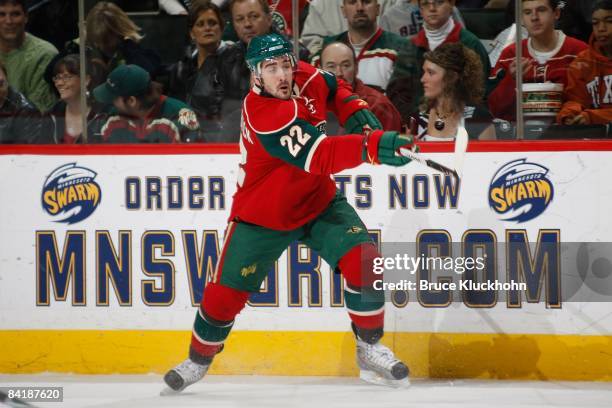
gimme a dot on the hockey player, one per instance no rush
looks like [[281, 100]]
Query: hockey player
[[284, 194]]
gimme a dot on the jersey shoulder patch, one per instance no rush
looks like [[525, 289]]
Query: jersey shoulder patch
[[269, 115]]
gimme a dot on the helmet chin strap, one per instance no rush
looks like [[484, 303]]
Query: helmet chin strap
[[258, 86]]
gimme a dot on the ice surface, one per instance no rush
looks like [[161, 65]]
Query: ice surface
[[131, 391]]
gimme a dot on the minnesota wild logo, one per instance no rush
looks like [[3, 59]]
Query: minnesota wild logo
[[279, 21]]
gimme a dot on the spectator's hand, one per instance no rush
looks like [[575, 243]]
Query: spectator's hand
[[526, 65], [578, 119]]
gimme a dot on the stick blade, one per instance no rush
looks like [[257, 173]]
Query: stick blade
[[461, 144]]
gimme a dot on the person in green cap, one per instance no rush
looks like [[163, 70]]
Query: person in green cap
[[141, 113], [286, 194]]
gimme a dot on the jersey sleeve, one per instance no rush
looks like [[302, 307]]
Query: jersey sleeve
[[343, 102], [502, 97], [303, 145], [340, 99]]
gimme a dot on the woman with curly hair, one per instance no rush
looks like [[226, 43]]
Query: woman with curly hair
[[453, 87]]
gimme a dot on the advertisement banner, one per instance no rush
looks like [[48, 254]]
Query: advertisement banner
[[104, 241]]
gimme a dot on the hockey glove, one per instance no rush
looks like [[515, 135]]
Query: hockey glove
[[361, 116], [382, 148]]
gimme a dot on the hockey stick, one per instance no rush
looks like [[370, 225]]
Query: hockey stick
[[461, 145], [13, 402], [461, 142], [412, 155]]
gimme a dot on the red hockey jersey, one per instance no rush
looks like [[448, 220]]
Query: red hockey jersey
[[502, 99], [284, 178]]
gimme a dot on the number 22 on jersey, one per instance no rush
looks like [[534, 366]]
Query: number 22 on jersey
[[295, 140]]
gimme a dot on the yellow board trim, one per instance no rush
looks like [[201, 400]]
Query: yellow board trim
[[438, 355]]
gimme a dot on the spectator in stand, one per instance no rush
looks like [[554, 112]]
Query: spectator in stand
[[24, 55], [377, 50], [63, 123], [546, 55], [251, 18], [19, 118], [325, 19], [280, 11], [588, 95], [142, 114], [116, 39], [453, 85], [404, 18], [196, 79], [339, 59], [438, 28]]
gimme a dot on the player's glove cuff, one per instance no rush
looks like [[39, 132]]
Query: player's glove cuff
[[382, 148], [370, 146], [354, 115]]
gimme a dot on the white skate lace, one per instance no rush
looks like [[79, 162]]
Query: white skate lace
[[379, 356], [191, 372]]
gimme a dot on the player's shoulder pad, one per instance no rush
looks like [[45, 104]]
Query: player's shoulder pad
[[305, 68], [307, 75], [269, 115]]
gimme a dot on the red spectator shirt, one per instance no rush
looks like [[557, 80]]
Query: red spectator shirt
[[502, 99]]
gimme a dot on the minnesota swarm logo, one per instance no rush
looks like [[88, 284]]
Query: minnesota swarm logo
[[520, 190], [70, 193]]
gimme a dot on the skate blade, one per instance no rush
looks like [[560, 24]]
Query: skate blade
[[376, 379], [168, 392]]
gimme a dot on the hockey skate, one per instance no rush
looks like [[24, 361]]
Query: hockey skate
[[377, 364], [183, 375]]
